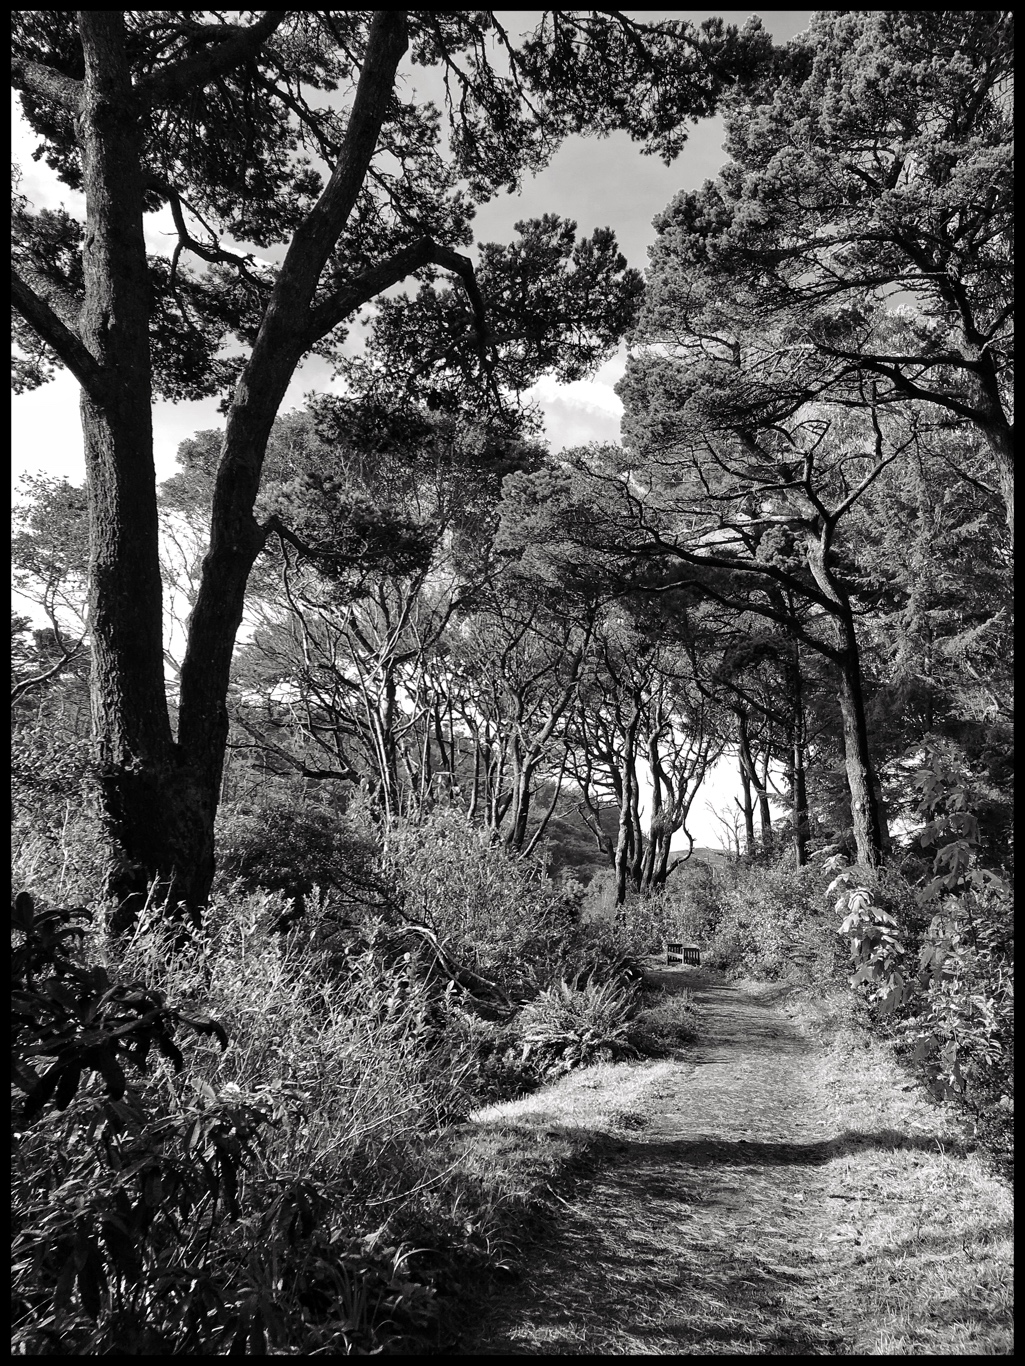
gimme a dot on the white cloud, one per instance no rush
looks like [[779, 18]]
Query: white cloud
[[582, 411]]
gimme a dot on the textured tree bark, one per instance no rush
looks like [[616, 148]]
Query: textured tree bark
[[517, 832], [1001, 442], [160, 798], [869, 837], [798, 782], [636, 837], [144, 803], [869, 833]]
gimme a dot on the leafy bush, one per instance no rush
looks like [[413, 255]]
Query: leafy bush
[[965, 1025], [943, 969], [290, 846], [497, 912], [765, 921], [567, 1027], [663, 1023], [235, 1205], [640, 926]]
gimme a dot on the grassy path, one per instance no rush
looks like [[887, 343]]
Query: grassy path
[[768, 1195]]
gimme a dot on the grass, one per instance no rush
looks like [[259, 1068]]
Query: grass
[[597, 1099], [804, 1198], [929, 1266]]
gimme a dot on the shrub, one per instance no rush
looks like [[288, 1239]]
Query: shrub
[[289, 846], [941, 971], [567, 1027], [55, 849], [765, 921], [236, 1204], [497, 912], [664, 1023]]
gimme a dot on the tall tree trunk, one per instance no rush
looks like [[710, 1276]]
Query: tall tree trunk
[[160, 798], [145, 794], [746, 771], [869, 833], [798, 779]]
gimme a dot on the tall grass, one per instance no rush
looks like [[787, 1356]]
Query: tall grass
[[295, 1191]]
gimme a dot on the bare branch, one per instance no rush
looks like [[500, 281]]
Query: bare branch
[[68, 657], [349, 774]]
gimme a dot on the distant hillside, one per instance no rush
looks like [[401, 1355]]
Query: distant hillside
[[572, 847]]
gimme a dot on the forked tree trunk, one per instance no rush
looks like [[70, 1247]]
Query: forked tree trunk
[[159, 797]]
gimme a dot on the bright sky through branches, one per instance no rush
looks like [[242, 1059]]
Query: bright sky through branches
[[597, 182]]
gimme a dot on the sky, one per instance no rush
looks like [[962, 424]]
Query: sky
[[598, 182]]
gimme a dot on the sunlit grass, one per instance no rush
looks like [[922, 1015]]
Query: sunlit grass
[[887, 1236]]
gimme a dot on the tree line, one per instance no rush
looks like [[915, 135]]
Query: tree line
[[800, 553]]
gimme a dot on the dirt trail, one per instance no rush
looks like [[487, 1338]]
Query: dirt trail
[[710, 1227]]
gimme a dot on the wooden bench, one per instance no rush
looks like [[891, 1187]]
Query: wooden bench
[[683, 953]]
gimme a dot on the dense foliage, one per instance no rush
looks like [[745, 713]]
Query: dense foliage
[[450, 764]]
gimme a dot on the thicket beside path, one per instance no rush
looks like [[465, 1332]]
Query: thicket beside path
[[772, 1195]]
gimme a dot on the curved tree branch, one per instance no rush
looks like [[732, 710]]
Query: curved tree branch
[[180, 79], [68, 345], [46, 84]]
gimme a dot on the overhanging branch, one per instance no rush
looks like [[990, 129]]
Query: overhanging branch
[[371, 283], [69, 347], [46, 84], [180, 79]]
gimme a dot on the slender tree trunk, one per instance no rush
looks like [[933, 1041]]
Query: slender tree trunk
[[764, 811], [865, 813], [869, 832], [657, 819], [471, 814], [521, 807], [662, 861], [746, 771], [636, 836], [798, 781], [628, 781]]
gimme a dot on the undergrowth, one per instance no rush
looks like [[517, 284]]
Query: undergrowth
[[257, 1143]]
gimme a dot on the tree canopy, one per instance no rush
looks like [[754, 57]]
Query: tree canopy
[[293, 129]]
